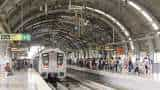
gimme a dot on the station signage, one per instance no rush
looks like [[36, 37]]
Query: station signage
[[15, 37], [120, 51], [18, 49]]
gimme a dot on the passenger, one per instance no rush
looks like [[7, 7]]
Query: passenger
[[146, 68], [85, 63], [126, 65], [88, 64], [130, 66], [112, 65], [146, 65], [106, 65], [31, 65], [81, 63], [94, 64], [8, 69], [103, 64], [137, 67], [26, 65], [18, 65], [99, 64], [14, 65], [117, 64], [120, 64]]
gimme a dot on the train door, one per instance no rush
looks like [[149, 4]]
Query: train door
[[60, 65], [45, 61], [44, 65]]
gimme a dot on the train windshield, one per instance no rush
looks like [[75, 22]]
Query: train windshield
[[45, 59], [60, 58]]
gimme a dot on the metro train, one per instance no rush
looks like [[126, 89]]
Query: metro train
[[51, 61]]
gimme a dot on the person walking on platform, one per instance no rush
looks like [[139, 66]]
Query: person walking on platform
[[26, 65], [137, 70], [130, 65], [146, 65], [100, 64], [120, 65], [103, 64], [94, 64], [8, 69], [14, 65], [112, 65], [117, 64]]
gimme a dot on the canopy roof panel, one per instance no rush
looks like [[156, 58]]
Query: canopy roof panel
[[138, 17]]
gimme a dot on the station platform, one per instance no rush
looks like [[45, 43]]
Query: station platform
[[116, 80], [24, 80]]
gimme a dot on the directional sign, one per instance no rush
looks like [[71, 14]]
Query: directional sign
[[15, 37]]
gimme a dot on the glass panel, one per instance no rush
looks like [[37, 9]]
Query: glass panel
[[59, 58], [45, 59]]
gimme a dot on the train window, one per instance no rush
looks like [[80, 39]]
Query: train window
[[59, 58], [45, 59]]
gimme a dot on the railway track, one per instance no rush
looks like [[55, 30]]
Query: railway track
[[69, 84]]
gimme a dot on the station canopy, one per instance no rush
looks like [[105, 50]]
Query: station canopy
[[75, 24]]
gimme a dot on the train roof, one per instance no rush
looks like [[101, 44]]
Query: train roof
[[52, 49]]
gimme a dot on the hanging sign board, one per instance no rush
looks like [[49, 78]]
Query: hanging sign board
[[15, 37], [120, 51]]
